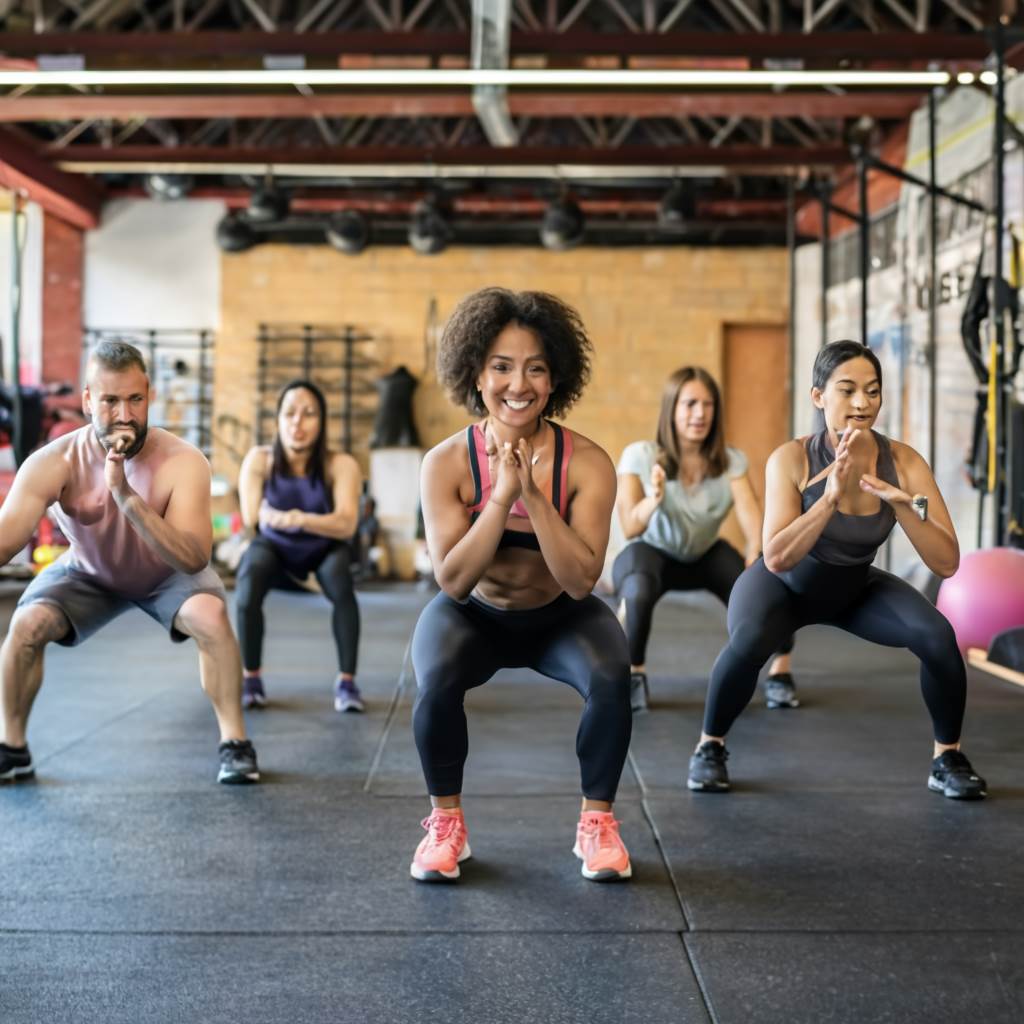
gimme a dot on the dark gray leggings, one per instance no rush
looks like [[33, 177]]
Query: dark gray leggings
[[642, 575], [458, 646], [860, 599], [263, 569]]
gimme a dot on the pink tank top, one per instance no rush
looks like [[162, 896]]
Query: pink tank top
[[556, 488], [104, 545]]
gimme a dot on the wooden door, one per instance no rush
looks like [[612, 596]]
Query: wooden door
[[755, 391]]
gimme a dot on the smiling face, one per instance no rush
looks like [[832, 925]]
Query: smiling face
[[852, 397], [515, 382], [694, 413], [117, 403], [298, 420]]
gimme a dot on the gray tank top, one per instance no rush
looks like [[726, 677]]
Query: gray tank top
[[848, 539]]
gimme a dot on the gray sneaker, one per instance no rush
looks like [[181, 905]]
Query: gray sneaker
[[780, 691], [237, 763], [347, 696], [638, 692], [708, 773]]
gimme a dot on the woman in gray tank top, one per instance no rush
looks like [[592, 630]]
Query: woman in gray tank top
[[831, 500], [673, 496]]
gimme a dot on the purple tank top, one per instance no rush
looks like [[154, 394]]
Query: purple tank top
[[301, 552]]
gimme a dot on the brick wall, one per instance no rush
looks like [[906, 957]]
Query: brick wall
[[648, 311], [62, 301]]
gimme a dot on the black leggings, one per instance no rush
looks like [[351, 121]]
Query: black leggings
[[458, 646], [860, 599], [643, 575], [263, 568]]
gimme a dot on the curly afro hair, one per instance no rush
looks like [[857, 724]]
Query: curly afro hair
[[481, 317]]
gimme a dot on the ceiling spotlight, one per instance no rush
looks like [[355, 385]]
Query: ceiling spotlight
[[429, 230], [677, 207], [562, 226], [965, 78], [168, 187], [348, 231], [235, 233], [267, 204], [987, 78]]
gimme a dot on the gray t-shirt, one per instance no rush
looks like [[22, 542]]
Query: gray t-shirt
[[687, 521]]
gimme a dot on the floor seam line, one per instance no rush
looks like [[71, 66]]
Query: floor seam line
[[396, 699], [99, 728]]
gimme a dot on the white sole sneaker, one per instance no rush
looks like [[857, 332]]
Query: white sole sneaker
[[606, 874], [440, 876]]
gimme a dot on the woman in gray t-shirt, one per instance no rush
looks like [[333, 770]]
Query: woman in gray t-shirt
[[673, 496]]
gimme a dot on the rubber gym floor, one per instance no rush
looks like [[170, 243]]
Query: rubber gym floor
[[830, 885]]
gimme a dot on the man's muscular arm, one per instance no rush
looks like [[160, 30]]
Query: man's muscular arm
[[183, 535], [37, 486]]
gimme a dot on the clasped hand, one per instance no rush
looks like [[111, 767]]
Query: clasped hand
[[511, 471], [277, 519], [840, 476], [113, 466]]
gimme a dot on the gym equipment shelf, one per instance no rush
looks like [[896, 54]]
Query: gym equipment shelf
[[326, 355]]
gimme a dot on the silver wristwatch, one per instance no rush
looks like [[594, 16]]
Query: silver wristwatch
[[919, 503]]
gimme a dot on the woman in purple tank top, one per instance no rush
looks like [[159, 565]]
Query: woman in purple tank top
[[304, 501]]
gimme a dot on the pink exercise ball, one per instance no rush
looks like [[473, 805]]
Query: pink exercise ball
[[984, 596]]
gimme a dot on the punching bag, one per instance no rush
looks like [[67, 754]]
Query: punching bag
[[394, 427]]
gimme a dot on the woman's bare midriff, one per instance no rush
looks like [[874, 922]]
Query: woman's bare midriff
[[517, 580]]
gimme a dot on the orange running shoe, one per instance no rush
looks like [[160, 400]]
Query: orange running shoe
[[600, 847], [444, 847]]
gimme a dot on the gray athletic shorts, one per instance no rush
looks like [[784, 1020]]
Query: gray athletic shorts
[[89, 605]]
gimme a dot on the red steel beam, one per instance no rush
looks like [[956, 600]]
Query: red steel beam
[[330, 200], [667, 156], [70, 197], [755, 45], [431, 104]]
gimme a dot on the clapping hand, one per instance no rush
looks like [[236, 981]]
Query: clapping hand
[[657, 483], [505, 484], [840, 471], [887, 492]]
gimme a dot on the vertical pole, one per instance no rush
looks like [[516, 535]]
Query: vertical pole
[[202, 411], [826, 258], [865, 242], [933, 278], [18, 438], [264, 341], [791, 248], [998, 305], [350, 340]]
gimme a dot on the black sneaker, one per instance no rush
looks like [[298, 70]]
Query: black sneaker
[[638, 693], [707, 768], [237, 763], [780, 692], [953, 776], [15, 763]]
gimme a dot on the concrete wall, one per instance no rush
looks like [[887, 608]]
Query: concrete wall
[[153, 265]]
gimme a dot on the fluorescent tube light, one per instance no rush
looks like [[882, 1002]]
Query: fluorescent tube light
[[511, 77]]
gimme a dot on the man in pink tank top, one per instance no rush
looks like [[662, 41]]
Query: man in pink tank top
[[134, 504]]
